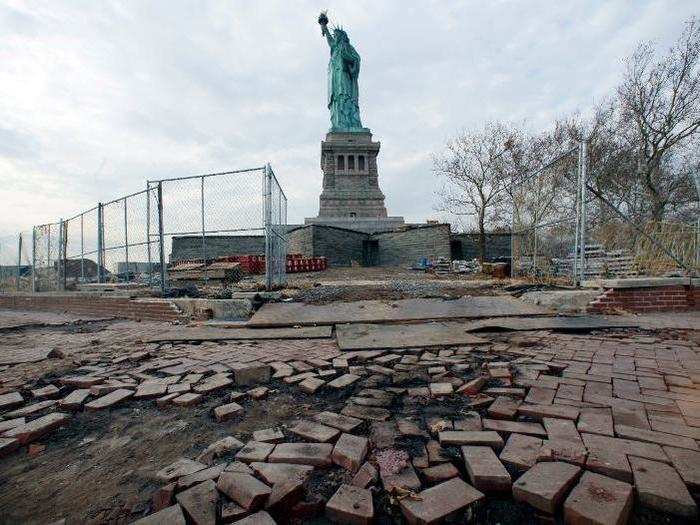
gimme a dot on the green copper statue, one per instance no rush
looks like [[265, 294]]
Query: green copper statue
[[343, 71]]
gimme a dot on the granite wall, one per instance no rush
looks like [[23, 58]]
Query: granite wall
[[407, 247]]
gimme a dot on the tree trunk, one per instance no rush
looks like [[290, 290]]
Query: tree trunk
[[482, 237]]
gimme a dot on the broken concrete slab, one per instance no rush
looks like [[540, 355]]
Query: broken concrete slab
[[293, 314], [359, 336]]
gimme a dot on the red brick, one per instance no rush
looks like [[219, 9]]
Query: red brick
[[598, 500], [349, 452], [350, 505], [545, 485], [439, 501], [485, 470], [244, 489]]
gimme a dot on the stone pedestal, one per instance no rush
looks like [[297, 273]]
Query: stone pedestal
[[351, 197]]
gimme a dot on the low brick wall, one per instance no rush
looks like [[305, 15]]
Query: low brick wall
[[648, 295], [96, 305]]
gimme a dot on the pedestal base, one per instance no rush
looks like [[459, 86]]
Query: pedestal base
[[361, 224]]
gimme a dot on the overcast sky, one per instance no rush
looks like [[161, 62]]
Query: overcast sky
[[98, 96]]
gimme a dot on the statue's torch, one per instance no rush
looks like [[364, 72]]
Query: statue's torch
[[323, 21]]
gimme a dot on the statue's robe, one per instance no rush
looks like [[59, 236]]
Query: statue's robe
[[343, 91]]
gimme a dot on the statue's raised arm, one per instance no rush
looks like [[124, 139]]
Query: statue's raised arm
[[343, 73]]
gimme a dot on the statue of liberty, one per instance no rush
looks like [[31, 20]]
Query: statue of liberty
[[343, 72]]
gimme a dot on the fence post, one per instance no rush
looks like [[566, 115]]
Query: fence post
[[34, 259], [267, 174], [100, 246], [19, 258], [148, 232], [584, 160], [161, 241], [126, 239], [574, 265], [82, 247], [204, 242]]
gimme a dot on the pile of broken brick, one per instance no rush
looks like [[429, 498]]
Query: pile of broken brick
[[572, 426]]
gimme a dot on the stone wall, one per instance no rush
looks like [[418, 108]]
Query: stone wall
[[407, 247], [190, 246], [96, 306], [465, 246], [341, 247], [301, 240]]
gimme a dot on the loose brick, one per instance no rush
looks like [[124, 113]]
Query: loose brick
[[514, 427], [284, 495], [255, 451], [659, 487], [311, 384], [181, 467], [187, 400], [150, 390], [81, 381], [316, 432], [343, 381], [227, 411], [29, 410], [440, 389], [542, 411], [687, 463], [251, 373], [10, 400], [344, 423], [11, 423], [259, 518], [213, 383], [273, 473], [75, 399], [268, 435], [521, 451], [369, 413], [350, 451], [485, 471], [540, 396], [258, 393], [503, 408], [650, 436], [163, 497], [545, 485], [473, 387], [598, 500], [45, 392], [350, 505], [439, 501], [244, 489], [109, 400], [190, 480], [469, 421], [439, 473], [596, 421], [466, 437], [8, 445], [366, 476], [200, 502], [399, 478], [168, 516], [316, 454], [38, 427]]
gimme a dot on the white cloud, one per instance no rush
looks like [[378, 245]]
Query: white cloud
[[96, 97]]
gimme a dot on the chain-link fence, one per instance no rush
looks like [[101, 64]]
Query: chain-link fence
[[565, 230], [129, 239]]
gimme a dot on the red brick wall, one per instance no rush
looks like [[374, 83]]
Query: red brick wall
[[139, 309], [648, 299]]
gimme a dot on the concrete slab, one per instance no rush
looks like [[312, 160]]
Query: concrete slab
[[292, 314], [362, 336]]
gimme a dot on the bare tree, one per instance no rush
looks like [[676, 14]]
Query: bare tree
[[473, 166], [660, 103]]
